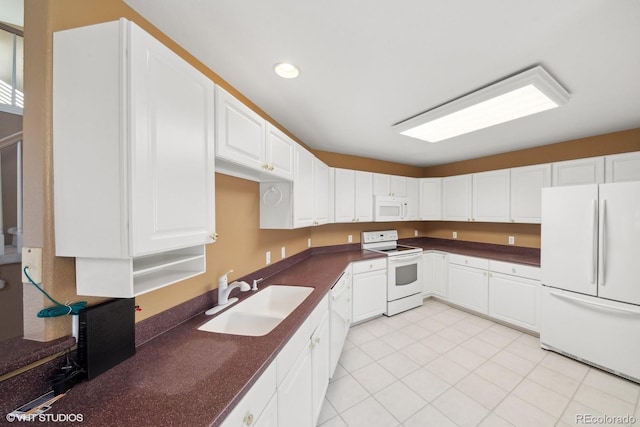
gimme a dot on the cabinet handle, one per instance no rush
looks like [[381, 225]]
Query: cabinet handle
[[271, 167], [318, 340], [248, 419], [312, 346], [513, 270], [214, 236]]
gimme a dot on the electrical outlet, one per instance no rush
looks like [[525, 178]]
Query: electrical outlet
[[350, 238], [455, 234], [283, 252], [512, 240], [32, 258], [309, 242], [415, 233], [267, 257]]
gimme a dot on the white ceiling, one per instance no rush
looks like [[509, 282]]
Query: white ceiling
[[366, 65]]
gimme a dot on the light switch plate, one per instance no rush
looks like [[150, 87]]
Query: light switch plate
[[32, 258]]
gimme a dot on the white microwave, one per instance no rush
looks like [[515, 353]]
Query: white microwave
[[389, 208]]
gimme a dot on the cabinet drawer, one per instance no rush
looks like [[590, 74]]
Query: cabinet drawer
[[469, 261], [513, 269], [287, 356], [369, 265], [253, 403]]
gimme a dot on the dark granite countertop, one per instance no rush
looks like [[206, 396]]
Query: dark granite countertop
[[519, 255], [16, 353], [195, 378]]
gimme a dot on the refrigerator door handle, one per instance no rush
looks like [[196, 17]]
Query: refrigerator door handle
[[629, 310], [594, 242], [601, 240]]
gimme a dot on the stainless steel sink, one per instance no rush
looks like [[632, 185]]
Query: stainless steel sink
[[260, 313]]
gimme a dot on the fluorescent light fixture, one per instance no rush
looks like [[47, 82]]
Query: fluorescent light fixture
[[524, 94], [286, 70]]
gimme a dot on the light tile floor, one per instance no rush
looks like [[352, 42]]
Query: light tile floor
[[439, 366]]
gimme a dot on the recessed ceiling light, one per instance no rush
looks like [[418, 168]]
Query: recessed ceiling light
[[286, 70], [524, 94]]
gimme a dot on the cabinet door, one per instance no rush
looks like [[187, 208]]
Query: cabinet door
[[440, 275], [345, 194], [381, 184], [303, 189], [623, 167], [398, 186], [279, 153], [320, 192], [468, 287], [369, 294], [578, 172], [526, 192], [491, 193], [413, 196], [427, 283], [172, 149], [514, 300], [240, 131], [431, 198], [363, 196], [456, 198], [295, 400], [320, 343]]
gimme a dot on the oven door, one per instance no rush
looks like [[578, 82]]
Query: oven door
[[404, 275]]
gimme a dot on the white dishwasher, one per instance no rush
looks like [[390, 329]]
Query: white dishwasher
[[340, 317]]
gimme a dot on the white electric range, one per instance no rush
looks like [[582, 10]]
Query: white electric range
[[404, 269]]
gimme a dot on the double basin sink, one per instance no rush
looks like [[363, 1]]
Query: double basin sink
[[260, 313]]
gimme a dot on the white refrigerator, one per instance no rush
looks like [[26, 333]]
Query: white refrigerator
[[590, 271]]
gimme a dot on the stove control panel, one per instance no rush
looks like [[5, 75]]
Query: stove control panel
[[379, 236]]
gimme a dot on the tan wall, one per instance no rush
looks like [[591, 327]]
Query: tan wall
[[241, 245], [600, 145]]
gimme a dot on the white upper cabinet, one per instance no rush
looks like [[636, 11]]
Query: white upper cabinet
[[353, 192], [303, 188], [120, 194], [278, 153], [456, 198], [413, 194], [431, 198], [491, 195], [301, 203], [247, 146], [364, 196], [389, 185], [240, 132], [577, 172], [320, 192], [623, 167], [527, 183]]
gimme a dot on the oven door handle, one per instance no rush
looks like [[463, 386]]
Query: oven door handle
[[396, 259]]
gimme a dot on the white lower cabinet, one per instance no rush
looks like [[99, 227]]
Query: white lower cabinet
[[469, 282], [295, 402], [257, 404], [303, 371], [320, 358], [514, 294], [435, 274], [369, 286]]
